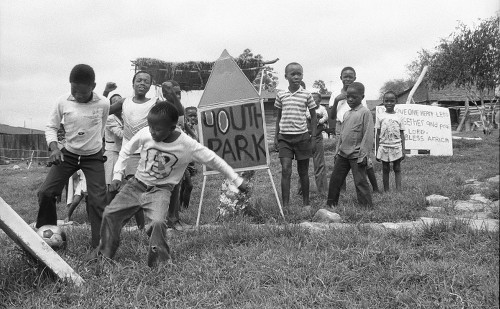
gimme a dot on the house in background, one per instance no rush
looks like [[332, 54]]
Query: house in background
[[453, 98], [21, 144]]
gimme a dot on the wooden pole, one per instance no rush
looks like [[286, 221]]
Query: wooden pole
[[17, 229], [419, 80], [201, 199], [276, 193]]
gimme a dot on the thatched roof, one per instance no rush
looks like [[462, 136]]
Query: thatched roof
[[191, 75]]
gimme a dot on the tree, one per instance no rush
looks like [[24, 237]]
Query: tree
[[254, 66], [319, 84], [469, 59], [396, 85]]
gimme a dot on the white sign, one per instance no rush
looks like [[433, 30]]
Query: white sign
[[427, 129]]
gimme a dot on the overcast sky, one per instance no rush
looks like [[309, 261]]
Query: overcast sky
[[40, 41]]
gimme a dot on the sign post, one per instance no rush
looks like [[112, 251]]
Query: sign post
[[231, 122]]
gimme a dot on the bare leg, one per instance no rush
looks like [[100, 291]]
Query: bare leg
[[76, 201], [396, 166], [286, 174], [303, 170], [386, 168]]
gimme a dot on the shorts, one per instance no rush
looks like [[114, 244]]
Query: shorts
[[295, 146], [389, 154]]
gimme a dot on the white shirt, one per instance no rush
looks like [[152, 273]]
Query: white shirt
[[342, 107], [321, 112], [164, 163], [84, 123]]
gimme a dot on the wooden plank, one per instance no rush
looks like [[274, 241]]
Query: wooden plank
[[17, 229]]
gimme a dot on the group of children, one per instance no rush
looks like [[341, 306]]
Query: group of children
[[154, 157], [151, 143], [352, 124]]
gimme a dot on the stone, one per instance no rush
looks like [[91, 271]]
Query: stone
[[495, 179], [478, 197], [435, 209], [326, 216], [470, 205], [473, 215], [16, 167], [314, 226], [493, 206], [341, 226], [372, 226], [436, 200], [490, 225], [408, 225], [471, 181]]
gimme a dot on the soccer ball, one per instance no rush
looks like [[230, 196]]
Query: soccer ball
[[53, 236]]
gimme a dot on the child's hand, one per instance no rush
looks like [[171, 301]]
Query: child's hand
[[110, 86], [340, 97], [244, 186], [167, 89], [56, 157], [115, 185], [276, 148]]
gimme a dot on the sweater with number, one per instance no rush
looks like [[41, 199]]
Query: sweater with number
[[164, 163]]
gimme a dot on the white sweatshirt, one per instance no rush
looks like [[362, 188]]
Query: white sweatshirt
[[84, 123], [164, 163]]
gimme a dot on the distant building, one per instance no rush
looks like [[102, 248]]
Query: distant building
[[450, 97], [22, 144]]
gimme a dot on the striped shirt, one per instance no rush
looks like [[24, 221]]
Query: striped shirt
[[293, 110]]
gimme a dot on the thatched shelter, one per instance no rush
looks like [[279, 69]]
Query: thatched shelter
[[191, 75]]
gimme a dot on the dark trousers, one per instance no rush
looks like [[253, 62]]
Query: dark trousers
[[93, 168], [340, 170]]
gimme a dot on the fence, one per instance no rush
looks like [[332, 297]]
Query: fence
[[23, 147]]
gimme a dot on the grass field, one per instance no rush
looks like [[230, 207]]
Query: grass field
[[279, 265]]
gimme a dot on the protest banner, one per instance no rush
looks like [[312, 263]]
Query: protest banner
[[427, 129]]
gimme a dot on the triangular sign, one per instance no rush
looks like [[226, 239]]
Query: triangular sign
[[226, 83]]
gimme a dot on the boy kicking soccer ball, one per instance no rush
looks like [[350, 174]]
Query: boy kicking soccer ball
[[165, 153]]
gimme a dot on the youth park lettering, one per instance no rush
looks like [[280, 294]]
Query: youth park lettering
[[236, 134], [428, 128]]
